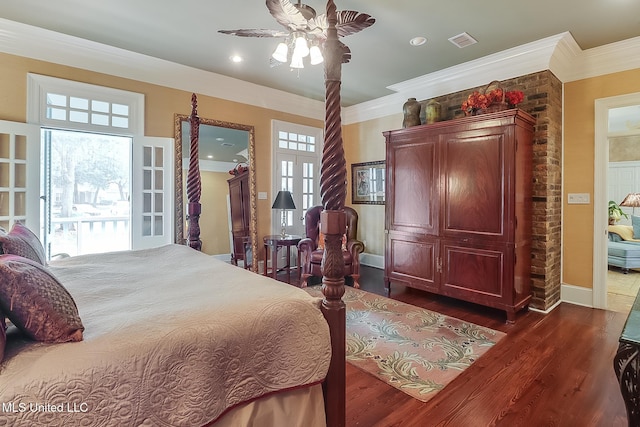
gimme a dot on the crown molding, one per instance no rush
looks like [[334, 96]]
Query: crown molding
[[612, 58], [45, 45]]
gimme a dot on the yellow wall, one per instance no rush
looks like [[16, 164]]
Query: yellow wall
[[161, 104], [579, 152], [364, 142]]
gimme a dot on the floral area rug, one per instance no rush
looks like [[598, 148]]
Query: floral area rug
[[413, 349]]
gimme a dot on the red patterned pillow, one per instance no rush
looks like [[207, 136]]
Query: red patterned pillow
[[36, 302], [21, 241]]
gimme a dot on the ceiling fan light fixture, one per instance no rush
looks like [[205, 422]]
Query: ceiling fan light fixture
[[315, 55], [301, 48], [281, 53]]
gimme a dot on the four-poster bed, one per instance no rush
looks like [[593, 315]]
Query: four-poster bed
[[157, 348]]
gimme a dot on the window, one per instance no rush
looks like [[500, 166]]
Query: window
[[90, 112]]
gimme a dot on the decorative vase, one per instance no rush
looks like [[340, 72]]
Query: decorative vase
[[411, 110], [432, 113]]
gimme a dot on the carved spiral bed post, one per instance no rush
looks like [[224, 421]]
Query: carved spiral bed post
[[194, 186], [333, 189]]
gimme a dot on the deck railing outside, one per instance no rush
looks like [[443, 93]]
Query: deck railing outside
[[80, 235]]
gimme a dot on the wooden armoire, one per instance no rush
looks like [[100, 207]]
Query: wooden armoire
[[459, 209], [240, 218]]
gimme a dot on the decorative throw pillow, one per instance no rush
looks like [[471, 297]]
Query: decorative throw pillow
[[21, 241], [635, 222], [36, 302]]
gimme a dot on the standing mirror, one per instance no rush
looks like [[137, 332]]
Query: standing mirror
[[222, 147]]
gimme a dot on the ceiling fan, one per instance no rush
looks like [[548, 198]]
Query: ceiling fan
[[305, 31]]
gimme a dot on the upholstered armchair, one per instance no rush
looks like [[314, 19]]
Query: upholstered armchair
[[310, 254]]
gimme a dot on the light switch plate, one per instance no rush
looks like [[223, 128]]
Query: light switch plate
[[579, 199], [262, 195]]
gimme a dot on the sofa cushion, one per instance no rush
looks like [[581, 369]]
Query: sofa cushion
[[623, 249], [635, 223]]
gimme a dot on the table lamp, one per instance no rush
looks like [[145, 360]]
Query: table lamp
[[632, 200], [284, 201]]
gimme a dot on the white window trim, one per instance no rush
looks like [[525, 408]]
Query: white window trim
[[38, 85]]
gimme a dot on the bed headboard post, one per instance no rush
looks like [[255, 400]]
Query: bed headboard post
[[194, 186], [333, 190]]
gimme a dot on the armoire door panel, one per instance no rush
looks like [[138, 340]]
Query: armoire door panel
[[416, 190], [476, 273], [412, 261], [474, 174]]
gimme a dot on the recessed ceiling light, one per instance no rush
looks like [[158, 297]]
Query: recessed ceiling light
[[236, 58], [418, 41], [210, 156]]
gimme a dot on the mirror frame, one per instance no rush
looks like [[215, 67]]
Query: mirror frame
[[180, 202]]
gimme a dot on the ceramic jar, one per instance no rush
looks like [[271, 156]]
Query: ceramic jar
[[432, 111], [411, 111]]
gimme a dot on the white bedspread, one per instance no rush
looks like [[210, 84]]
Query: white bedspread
[[172, 337]]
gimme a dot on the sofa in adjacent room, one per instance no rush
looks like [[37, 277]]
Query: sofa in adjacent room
[[623, 249]]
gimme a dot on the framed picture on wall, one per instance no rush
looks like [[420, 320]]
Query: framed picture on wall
[[367, 183]]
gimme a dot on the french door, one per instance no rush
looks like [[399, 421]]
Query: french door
[[298, 174], [297, 151]]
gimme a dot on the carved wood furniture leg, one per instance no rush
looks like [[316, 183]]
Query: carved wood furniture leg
[[355, 278], [194, 186], [627, 367]]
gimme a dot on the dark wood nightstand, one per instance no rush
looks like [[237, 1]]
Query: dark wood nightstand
[[271, 244]]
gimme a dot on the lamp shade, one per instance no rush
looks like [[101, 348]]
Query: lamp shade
[[632, 200], [283, 201], [315, 55], [281, 52]]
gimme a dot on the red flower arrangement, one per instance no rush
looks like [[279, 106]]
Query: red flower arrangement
[[481, 101], [514, 97], [239, 169]]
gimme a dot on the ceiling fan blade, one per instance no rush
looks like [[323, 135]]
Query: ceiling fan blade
[[255, 33], [346, 52], [350, 22], [287, 14]]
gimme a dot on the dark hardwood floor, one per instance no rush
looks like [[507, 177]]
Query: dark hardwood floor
[[550, 370]]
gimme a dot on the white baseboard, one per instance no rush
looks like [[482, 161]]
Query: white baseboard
[[548, 310], [576, 295], [372, 260]]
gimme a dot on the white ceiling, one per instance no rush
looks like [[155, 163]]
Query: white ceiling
[[186, 33]]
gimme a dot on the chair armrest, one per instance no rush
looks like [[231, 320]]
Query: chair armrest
[[306, 245], [355, 247]]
